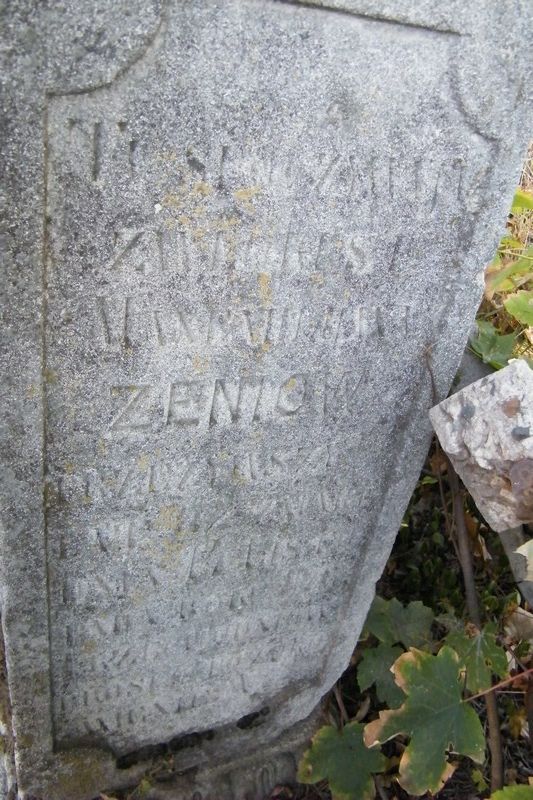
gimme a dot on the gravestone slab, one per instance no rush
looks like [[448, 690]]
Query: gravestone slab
[[243, 245]]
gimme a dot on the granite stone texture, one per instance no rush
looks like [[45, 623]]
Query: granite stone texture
[[243, 243], [487, 431], [473, 369]]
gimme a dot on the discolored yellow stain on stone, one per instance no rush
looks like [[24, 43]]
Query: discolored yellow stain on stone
[[143, 462], [290, 385], [172, 548], [50, 495], [167, 156], [168, 519], [102, 447], [69, 467], [202, 188], [130, 388], [50, 376], [32, 391], [137, 598], [238, 478], [226, 223], [265, 288], [317, 278], [200, 363], [25, 740], [246, 194], [89, 647], [172, 201], [262, 349]]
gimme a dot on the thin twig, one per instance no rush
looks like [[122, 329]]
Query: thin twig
[[509, 649], [435, 395], [499, 685], [516, 253], [379, 787], [529, 709], [447, 521], [465, 558], [463, 544], [340, 702]]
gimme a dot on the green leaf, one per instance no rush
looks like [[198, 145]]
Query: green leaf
[[434, 716], [342, 758], [509, 242], [492, 348], [481, 655], [521, 201], [503, 280], [520, 306], [479, 780], [375, 667], [513, 793], [391, 622], [450, 621]]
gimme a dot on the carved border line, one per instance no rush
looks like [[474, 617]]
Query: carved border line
[[44, 363], [49, 95], [318, 5]]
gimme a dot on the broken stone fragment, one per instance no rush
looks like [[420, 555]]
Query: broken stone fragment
[[487, 431]]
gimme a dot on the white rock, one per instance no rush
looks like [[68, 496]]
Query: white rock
[[487, 431]]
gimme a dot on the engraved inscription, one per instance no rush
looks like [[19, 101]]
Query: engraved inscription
[[145, 322], [232, 344]]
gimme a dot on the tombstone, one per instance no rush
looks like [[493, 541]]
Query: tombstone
[[243, 250]]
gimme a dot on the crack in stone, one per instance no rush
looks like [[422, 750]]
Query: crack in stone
[[338, 9]]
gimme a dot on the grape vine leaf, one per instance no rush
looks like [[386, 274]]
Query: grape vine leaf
[[503, 280], [391, 622], [522, 201], [492, 347], [342, 758], [513, 793], [480, 653], [375, 667], [434, 716], [520, 306]]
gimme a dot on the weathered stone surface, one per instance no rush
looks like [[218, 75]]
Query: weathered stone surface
[[473, 369], [242, 242], [512, 540], [487, 431]]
